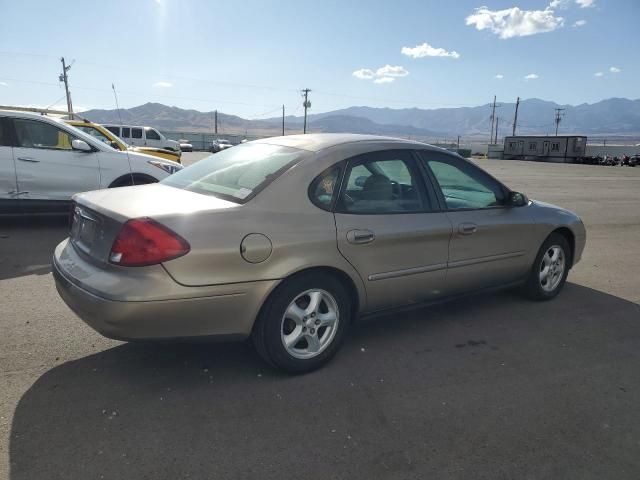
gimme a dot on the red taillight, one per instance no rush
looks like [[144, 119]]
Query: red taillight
[[143, 241]]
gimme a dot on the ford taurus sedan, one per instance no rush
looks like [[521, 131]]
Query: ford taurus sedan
[[287, 240]]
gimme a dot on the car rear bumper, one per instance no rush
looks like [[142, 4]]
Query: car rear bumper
[[226, 311]]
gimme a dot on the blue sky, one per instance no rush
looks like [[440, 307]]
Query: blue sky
[[250, 57]]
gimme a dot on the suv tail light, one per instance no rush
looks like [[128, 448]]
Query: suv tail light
[[143, 241]]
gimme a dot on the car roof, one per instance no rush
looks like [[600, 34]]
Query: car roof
[[32, 115], [316, 142]]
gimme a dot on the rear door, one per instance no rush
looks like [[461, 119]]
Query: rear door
[[389, 230], [137, 137], [8, 183], [491, 243], [47, 168]]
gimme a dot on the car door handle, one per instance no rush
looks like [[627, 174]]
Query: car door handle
[[28, 159], [467, 228], [360, 236]]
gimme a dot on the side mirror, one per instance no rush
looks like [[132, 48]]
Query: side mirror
[[81, 145], [517, 199]]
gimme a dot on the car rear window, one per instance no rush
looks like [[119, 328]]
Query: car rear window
[[237, 173]]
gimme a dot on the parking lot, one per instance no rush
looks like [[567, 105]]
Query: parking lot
[[489, 386]]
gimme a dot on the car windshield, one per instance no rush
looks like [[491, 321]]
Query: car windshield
[[238, 173]]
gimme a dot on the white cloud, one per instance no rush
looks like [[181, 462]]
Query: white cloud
[[499, 76], [426, 50], [162, 84], [614, 70], [386, 74], [4, 84], [580, 23], [391, 71], [531, 76], [586, 3], [364, 74], [514, 22], [562, 4], [598, 74]]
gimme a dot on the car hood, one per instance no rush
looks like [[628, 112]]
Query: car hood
[[154, 200]]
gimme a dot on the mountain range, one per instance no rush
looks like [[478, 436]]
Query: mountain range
[[614, 116]]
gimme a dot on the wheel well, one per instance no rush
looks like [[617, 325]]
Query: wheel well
[[339, 275], [136, 178], [571, 240]]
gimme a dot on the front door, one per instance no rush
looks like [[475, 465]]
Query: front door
[[152, 137], [491, 243], [8, 184], [388, 229], [47, 168], [545, 149]]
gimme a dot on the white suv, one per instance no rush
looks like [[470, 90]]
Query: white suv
[[43, 162]]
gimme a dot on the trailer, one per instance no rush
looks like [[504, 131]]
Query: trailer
[[560, 149]]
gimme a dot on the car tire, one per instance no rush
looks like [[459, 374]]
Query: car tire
[[550, 268], [311, 336]]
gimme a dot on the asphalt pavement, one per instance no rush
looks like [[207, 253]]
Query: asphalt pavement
[[491, 386]]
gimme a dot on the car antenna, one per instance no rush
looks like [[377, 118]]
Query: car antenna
[[115, 95]]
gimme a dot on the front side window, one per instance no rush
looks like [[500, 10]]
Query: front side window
[[236, 173], [114, 130], [136, 133], [382, 183], [463, 185], [35, 134], [151, 134]]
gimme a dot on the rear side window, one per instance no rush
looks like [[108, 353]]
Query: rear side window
[[323, 188], [114, 130], [151, 134], [381, 183], [136, 133], [237, 173], [35, 134], [126, 132]]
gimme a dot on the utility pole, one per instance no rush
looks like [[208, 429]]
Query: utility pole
[[283, 120], [64, 78], [306, 104], [493, 116], [558, 118], [458, 142], [497, 120], [215, 123], [515, 117]]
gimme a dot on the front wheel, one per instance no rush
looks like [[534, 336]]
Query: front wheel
[[302, 325], [550, 269]]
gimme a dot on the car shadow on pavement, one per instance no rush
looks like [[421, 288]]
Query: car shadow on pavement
[[489, 386], [27, 244]]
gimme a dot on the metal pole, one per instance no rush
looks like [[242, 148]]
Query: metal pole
[[65, 79], [515, 118], [215, 116], [493, 114], [283, 120], [306, 105]]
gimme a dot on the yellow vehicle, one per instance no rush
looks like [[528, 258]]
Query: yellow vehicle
[[104, 135]]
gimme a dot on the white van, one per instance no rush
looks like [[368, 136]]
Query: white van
[[143, 137]]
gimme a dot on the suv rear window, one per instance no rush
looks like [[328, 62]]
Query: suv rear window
[[238, 173]]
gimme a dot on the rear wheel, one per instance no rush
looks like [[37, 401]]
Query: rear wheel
[[303, 323], [550, 269]]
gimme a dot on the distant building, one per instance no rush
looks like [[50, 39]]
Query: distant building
[[542, 148]]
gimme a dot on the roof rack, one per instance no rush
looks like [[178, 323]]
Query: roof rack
[[45, 111]]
